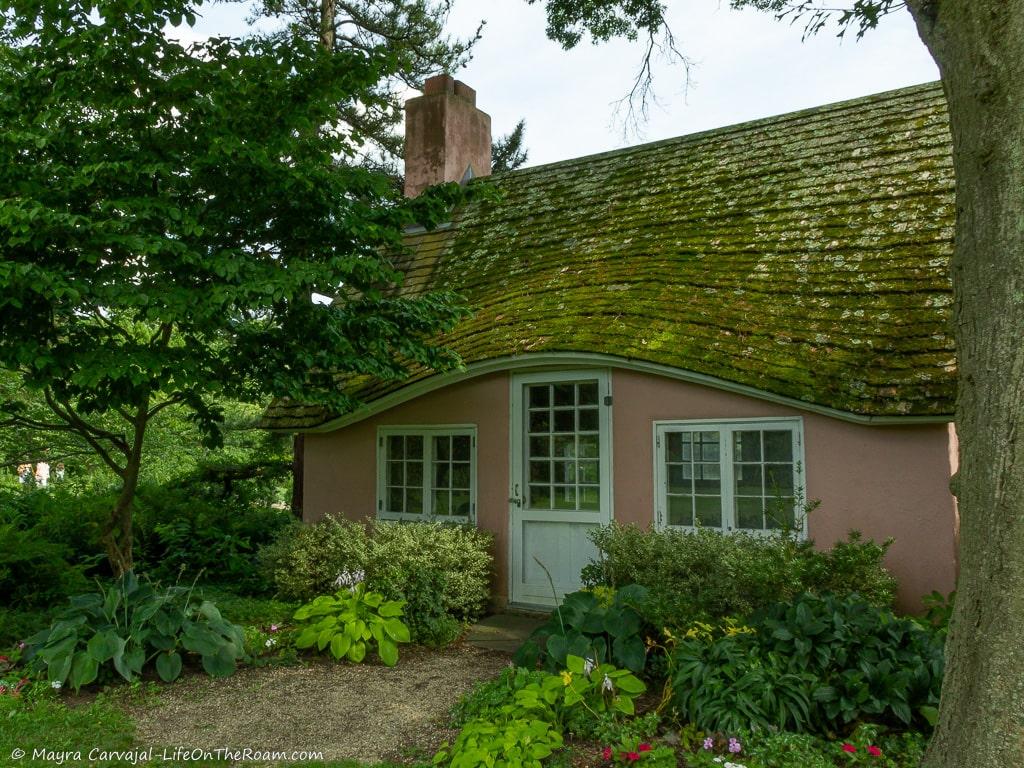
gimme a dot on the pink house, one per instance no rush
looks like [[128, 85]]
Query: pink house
[[700, 331]]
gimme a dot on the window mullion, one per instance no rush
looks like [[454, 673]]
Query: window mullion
[[728, 482], [428, 471]]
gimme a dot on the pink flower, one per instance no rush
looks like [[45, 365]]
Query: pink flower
[[848, 747], [606, 753], [632, 756], [874, 751], [709, 743], [645, 747], [273, 627], [21, 646], [735, 746]]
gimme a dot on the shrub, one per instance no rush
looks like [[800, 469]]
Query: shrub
[[188, 529], [351, 622], [867, 663], [442, 572], [706, 574], [813, 664], [584, 625], [304, 560], [34, 572], [485, 700], [129, 625]]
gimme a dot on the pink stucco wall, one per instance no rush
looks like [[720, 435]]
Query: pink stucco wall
[[883, 481], [340, 467]]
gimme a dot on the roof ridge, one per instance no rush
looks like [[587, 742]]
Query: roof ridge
[[920, 88]]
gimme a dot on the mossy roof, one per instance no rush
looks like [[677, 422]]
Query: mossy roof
[[804, 255]]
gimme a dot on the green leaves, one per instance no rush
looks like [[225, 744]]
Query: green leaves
[[583, 626], [124, 627], [348, 623]]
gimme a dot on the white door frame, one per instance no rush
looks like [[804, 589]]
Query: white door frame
[[517, 464]]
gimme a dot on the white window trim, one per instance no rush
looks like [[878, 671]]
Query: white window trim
[[427, 431], [661, 428]]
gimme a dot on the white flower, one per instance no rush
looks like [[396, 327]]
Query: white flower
[[588, 666], [734, 765], [607, 684], [271, 642], [56, 684], [349, 579]]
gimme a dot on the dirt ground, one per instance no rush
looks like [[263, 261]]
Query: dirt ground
[[365, 712]]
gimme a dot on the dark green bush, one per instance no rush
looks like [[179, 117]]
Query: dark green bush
[[817, 663], [867, 662], [706, 574], [191, 528], [34, 573], [584, 625], [441, 571], [127, 626]]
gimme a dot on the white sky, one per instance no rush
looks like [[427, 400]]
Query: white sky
[[747, 65]]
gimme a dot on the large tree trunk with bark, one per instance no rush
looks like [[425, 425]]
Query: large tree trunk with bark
[[117, 534], [979, 47]]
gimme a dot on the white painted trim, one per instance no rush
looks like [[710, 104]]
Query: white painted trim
[[427, 430], [662, 426], [565, 360]]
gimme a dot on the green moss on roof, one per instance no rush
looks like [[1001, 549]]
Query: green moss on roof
[[804, 255]]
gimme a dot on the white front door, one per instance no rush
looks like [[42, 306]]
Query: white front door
[[561, 479]]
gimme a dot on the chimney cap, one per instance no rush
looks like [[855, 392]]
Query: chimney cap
[[446, 84]]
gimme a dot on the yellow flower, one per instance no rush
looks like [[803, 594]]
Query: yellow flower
[[566, 677]]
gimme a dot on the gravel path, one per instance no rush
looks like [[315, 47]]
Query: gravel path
[[365, 712]]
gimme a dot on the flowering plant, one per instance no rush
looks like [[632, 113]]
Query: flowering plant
[[639, 753], [350, 622], [600, 687]]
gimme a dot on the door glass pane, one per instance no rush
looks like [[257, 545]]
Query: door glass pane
[[540, 421], [588, 393], [565, 394], [540, 497], [588, 420], [563, 423], [540, 471], [540, 396]]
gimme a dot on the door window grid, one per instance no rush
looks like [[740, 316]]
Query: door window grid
[[563, 446], [427, 473], [743, 476]]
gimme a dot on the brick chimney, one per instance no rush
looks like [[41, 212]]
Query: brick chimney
[[446, 137]]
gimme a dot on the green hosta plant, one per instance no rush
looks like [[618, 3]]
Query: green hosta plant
[[600, 687], [520, 743], [130, 625], [589, 625], [350, 622]]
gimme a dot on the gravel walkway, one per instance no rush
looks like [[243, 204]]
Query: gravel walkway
[[365, 712]]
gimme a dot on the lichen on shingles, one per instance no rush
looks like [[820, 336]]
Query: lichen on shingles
[[804, 255]]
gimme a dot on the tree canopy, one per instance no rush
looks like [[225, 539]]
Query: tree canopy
[[169, 214]]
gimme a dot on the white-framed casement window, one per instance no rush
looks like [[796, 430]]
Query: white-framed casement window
[[426, 473], [731, 475]]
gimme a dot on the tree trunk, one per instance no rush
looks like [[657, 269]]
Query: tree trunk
[[979, 47], [117, 534], [327, 24]]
